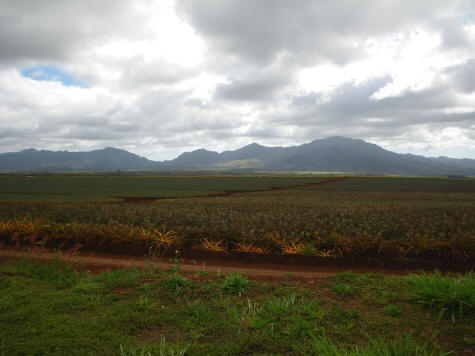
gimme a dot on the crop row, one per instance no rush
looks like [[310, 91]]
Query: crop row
[[312, 221]]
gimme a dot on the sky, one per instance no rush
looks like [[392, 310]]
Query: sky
[[158, 78]]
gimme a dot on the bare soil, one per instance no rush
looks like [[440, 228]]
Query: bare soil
[[228, 193], [266, 271]]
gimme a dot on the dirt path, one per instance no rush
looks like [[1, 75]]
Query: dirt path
[[228, 193], [96, 261]]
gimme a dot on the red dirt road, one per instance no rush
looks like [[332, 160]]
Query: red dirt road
[[227, 194], [101, 262]]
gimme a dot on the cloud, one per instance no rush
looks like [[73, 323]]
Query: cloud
[[310, 31], [255, 86], [138, 72], [53, 30], [463, 76], [164, 77]]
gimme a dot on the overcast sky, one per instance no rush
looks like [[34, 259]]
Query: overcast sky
[[161, 77]]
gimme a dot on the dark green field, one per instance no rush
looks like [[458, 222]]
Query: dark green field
[[380, 217], [23, 188]]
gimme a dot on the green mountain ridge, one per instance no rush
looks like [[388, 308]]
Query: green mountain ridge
[[334, 154]]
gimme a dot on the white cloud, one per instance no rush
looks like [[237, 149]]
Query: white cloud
[[169, 76]]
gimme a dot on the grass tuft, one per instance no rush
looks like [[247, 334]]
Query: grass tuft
[[54, 272], [455, 294], [237, 284], [392, 310], [345, 290], [164, 349], [402, 347], [176, 284]]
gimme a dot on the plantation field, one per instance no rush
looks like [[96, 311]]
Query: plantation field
[[23, 188], [378, 217]]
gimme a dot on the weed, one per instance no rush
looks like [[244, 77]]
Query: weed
[[54, 272], [177, 262], [444, 294], [146, 286], [164, 350], [174, 269], [310, 251], [132, 351], [244, 316], [392, 310], [281, 306], [402, 347], [349, 276], [237, 284], [323, 346], [144, 303], [176, 284], [345, 289], [198, 311], [469, 341], [275, 310], [202, 273], [121, 278], [88, 287]]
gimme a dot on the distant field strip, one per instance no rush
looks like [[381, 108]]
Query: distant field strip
[[50, 189]]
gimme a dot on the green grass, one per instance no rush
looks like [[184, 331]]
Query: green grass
[[404, 347], [176, 284], [392, 310], [452, 294], [237, 284], [345, 290], [164, 349], [130, 312]]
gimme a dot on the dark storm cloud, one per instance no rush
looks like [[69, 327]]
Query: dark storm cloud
[[452, 33], [51, 30], [309, 31], [463, 76], [258, 87]]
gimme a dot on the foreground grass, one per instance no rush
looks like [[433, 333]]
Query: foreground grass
[[54, 309], [455, 295]]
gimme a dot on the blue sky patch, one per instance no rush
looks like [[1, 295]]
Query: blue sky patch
[[51, 73]]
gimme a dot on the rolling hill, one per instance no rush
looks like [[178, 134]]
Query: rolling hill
[[334, 154]]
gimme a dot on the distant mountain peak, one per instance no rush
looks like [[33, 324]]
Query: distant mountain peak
[[332, 154], [253, 145]]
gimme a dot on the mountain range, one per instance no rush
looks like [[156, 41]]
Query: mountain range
[[334, 154]]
